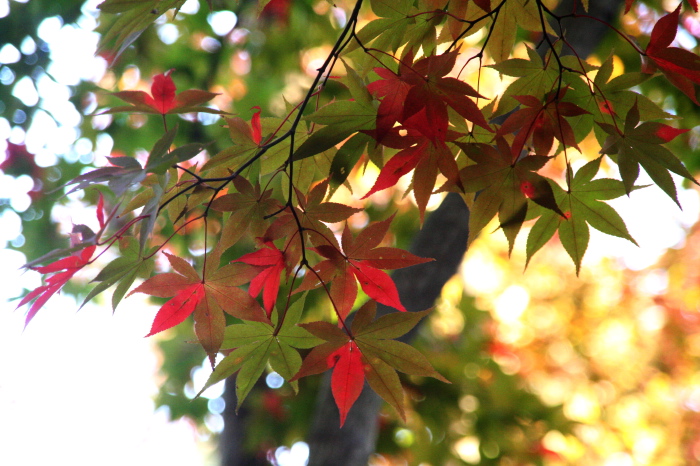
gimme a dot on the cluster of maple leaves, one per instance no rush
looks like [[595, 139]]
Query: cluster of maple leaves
[[408, 112]]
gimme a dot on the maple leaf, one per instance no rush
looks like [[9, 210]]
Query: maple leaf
[[640, 144], [256, 126], [316, 213], [505, 185], [267, 280], [313, 214], [249, 207], [583, 205], [247, 138], [257, 344], [341, 119], [122, 271], [63, 270], [425, 157], [392, 90], [537, 77], [371, 353], [348, 377], [681, 67], [419, 94], [388, 32], [613, 99], [512, 16], [163, 101], [360, 260], [244, 136], [543, 121], [208, 298]]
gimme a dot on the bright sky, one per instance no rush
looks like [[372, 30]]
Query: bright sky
[[76, 387]]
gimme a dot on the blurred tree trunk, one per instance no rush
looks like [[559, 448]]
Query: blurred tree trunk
[[443, 237]]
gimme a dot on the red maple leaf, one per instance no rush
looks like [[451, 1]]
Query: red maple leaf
[[368, 352], [360, 261], [176, 310], [63, 270], [268, 280], [664, 132], [392, 90], [348, 377], [256, 126], [418, 96], [426, 104], [681, 67], [101, 211], [344, 357], [163, 101], [425, 156], [543, 121], [208, 298]]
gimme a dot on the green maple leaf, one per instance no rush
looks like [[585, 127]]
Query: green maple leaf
[[249, 207], [511, 15], [342, 119], [612, 99], [122, 271], [583, 206], [257, 344], [504, 184], [388, 32], [244, 144], [640, 144], [537, 78]]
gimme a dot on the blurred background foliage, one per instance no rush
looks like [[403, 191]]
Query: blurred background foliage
[[546, 367]]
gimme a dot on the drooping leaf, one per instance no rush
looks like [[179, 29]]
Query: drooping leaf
[[62, 270], [583, 206], [348, 377], [370, 353]]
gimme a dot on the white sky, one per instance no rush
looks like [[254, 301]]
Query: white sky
[[77, 388]]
